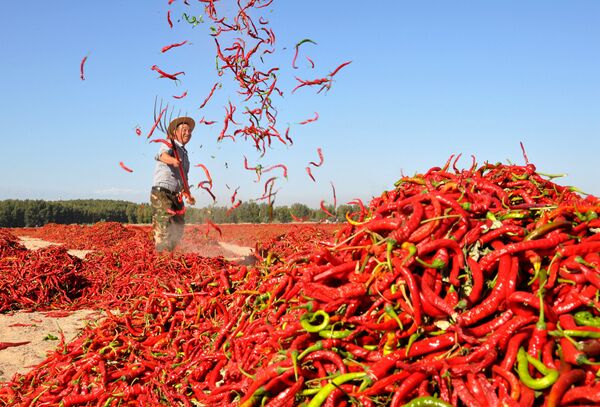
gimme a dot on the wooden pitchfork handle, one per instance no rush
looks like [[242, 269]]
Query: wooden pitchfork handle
[[186, 187]]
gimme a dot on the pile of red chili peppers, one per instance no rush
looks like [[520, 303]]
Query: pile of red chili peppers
[[459, 287]]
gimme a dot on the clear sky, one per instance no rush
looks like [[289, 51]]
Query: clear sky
[[428, 79]]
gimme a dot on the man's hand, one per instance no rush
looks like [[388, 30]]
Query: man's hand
[[190, 199]]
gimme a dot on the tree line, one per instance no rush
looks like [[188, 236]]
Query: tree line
[[35, 213]]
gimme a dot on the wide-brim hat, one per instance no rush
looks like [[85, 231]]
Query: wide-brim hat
[[176, 122]]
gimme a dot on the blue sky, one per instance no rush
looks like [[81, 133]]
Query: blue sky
[[428, 79]]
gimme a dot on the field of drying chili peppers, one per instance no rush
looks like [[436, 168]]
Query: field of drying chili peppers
[[475, 287]]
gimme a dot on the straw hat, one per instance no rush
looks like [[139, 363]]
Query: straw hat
[[176, 122]]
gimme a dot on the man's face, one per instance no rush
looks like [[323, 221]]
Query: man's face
[[183, 133]]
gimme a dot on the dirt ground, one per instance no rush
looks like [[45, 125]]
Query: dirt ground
[[42, 330]]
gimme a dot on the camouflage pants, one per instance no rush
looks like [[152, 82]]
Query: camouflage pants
[[167, 228]]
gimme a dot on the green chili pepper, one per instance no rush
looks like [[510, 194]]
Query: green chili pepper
[[306, 319], [312, 348], [437, 263], [326, 390], [389, 309], [331, 334], [426, 401], [523, 360], [391, 245], [586, 318]]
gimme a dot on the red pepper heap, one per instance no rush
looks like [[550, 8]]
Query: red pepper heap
[[462, 287]]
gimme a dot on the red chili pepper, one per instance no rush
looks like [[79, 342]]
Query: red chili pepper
[[309, 172], [125, 167], [212, 90], [163, 74], [81, 74], [324, 209], [4, 345], [564, 382], [306, 40], [207, 173], [311, 119], [156, 123], [169, 19], [184, 94], [177, 44]]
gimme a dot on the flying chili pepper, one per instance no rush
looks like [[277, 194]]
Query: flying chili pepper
[[312, 82], [270, 182], [206, 122], [177, 44], [312, 64], [320, 153], [81, 74], [209, 95], [215, 227], [205, 172], [311, 120], [296, 52], [184, 94], [234, 194], [324, 209], [156, 123], [169, 19], [138, 131], [125, 167], [163, 74], [278, 166], [207, 189], [235, 206], [287, 136], [336, 70], [334, 195], [162, 140], [310, 174]]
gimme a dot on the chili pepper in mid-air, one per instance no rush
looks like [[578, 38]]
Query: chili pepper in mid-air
[[138, 131], [215, 227], [320, 153], [169, 19], [81, 74], [125, 167], [311, 119], [336, 70], [174, 45], [296, 47], [209, 95], [277, 166], [184, 94], [206, 122], [163, 74], [287, 136], [324, 209], [162, 140], [309, 172], [156, 123], [206, 172]]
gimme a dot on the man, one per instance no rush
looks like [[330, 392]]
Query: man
[[169, 186]]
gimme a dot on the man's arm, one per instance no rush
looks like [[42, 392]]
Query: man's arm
[[168, 159]]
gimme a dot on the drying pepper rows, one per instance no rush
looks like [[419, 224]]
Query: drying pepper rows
[[462, 287]]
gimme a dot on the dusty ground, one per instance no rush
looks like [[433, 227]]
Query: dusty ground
[[42, 330]]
